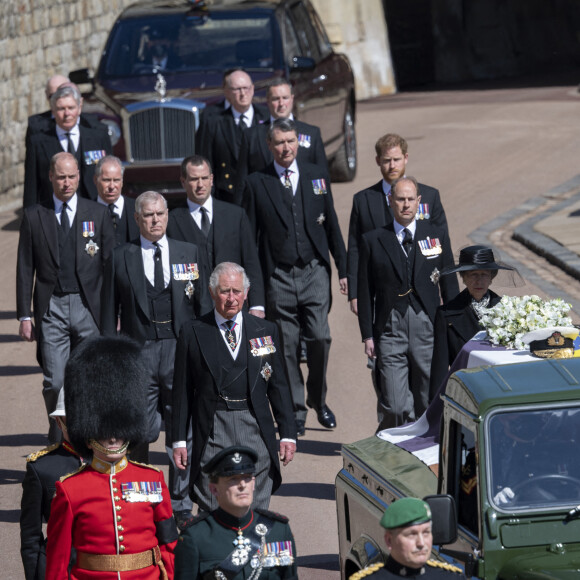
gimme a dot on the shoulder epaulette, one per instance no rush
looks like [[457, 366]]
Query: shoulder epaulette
[[145, 465], [367, 571], [272, 515], [81, 467], [34, 456], [195, 520], [444, 565]]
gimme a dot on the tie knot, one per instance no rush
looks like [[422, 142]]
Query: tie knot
[[64, 206], [408, 236], [229, 324]]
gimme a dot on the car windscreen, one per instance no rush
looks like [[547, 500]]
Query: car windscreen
[[532, 458], [180, 43]]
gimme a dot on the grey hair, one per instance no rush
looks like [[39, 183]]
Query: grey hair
[[148, 197], [66, 91], [227, 268], [108, 159], [408, 178], [284, 125]]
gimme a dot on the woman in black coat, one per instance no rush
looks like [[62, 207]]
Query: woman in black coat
[[457, 321]]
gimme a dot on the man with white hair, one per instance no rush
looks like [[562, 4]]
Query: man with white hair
[[87, 144]]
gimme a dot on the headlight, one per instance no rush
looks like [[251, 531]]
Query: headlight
[[113, 129]]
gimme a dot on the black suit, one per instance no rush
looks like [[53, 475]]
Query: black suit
[[45, 121], [126, 228], [37, 279], [125, 289], [40, 148], [43, 470], [230, 240], [455, 324], [198, 381], [370, 211], [398, 314], [255, 154], [298, 290], [219, 139]]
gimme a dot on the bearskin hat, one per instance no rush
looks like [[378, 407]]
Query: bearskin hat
[[105, 392]]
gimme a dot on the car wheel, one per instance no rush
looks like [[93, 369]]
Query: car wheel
[[343, 167]]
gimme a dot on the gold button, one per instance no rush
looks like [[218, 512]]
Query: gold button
[[119, 518], [121, 538], [121, 528], [223, 164], [118, 508], [114, 480], [230, 186], [115, 490], [121, 548], [117, 498], [227, 175]]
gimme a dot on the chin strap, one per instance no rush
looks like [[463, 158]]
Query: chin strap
[[98, 447]]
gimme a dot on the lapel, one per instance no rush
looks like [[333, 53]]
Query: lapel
[[209, 338], [377, 206], [49, 225], [136, 272], [305, 178], [228, 129], [253, 329], [274, 191], [421, 233], [83, 214], [177, 287], [261, 133], [390, 244]]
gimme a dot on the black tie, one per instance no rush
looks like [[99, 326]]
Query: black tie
[[113, 214], [159, 282], [287, 182], [64, 221], [407, 242], [70, 145], [205, 225], [231, 334], [242, 123]]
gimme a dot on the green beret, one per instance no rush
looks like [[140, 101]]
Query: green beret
[[407, 511]]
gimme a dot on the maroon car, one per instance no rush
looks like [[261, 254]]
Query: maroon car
[[164, 61]]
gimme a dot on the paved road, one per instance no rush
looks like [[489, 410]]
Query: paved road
[[488, 151]]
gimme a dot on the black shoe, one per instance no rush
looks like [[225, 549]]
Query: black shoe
[[326, 417], [182, 518], [300, 427]]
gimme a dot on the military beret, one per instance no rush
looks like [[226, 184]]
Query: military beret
[[407, 511], [232, 461]]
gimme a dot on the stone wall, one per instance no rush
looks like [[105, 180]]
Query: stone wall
[[39, 38]]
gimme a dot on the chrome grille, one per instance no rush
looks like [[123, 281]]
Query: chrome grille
[[161, 131]]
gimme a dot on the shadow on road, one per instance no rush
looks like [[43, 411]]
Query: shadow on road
[[319, 561], [8, 315], [326, 448], [16, 440], [4, 338], [14, 225], [309, 489], [10, 371], [11, 476]]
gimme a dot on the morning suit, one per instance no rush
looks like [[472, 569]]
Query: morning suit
[[41, 146], [125, 225], [397, 300], [127, 290], [73, 314], [296, 233], [371, 211], [210, 385], [43, 469], [455, 324], [255, 154], [230, 240], [221, 143]]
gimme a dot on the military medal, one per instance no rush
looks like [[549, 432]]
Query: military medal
[[241, 554], [435, 275], [304, 140], [183, 272], [91, 249], [88, 229], [320, 219], [423, 212], [261, 346], [92, 157], [430, 247], [266, 372], [142, 491], [189, 290], [319, 186]]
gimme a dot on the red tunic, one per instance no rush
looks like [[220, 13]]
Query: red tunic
[[93, 512]]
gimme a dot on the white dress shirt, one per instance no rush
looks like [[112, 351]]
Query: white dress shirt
[[148, 253], [294, 175], [118, 205]]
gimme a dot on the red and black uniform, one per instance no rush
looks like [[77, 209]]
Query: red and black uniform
[[119, 519]]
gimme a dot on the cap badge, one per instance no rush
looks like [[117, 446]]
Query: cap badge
[[237, 458]]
